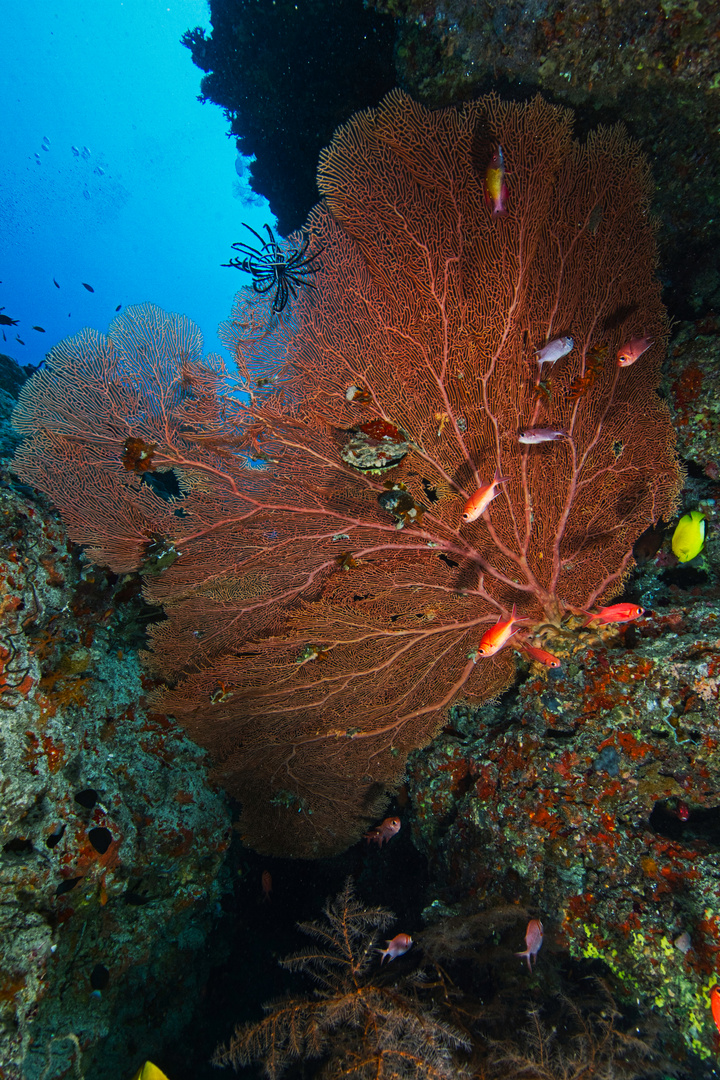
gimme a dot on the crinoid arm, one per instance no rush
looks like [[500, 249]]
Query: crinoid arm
[[272, 268]]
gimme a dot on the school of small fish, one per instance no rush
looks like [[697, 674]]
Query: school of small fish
[[6, 320]]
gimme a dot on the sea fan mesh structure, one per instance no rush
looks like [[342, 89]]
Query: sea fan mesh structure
[[301, 522]]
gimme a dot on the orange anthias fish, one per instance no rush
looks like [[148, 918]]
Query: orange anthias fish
[[478, 503], [715, 1005], [397, 947], [616, 613], [533, 941], [494, 187], [497, 636], [635, 347], [386, 831]]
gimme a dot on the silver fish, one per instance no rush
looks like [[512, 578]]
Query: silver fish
[[554, 350], [532, 436]]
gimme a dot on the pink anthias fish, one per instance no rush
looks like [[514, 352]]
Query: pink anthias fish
[[554, 351], [397, 947], [635, 347], [385, 831], [533, 436], [533, 941]]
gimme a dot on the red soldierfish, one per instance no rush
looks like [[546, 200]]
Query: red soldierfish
[[478, 503], [715, 1005], [617, 613], [540, 655], [533, 941], [554, 351], [495, 188], [497, 636], [397, 947], [635, 347], [386, 831], [266, 884], [533, 436]]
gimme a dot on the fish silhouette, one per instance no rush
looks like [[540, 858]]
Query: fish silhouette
[[88, 287]]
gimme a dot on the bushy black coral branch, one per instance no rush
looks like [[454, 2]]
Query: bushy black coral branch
[[584, 1045], [363, 1030]]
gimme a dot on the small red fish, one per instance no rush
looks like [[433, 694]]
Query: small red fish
[[616, 613], [478, 503], [540, 655], [635, 347], [682, 810], [266, 884], [533, 941], [397, 947], [494, 187], [386, 831], [715, 1005], [497, 636]]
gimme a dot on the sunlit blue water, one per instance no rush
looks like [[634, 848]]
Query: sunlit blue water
[[113, 173]]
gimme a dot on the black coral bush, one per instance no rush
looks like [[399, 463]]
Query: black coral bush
[[582, 1044], [355, 1023]]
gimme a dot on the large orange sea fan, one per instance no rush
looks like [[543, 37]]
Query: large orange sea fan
[[324, 599]]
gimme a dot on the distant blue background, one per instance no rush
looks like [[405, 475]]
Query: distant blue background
[[150, 213]]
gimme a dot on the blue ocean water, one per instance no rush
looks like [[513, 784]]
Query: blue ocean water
[[114, 173]]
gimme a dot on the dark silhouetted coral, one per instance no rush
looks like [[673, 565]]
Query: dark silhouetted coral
[[286, 74], [360, 1024]]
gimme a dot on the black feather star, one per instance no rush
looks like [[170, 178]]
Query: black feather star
[[272, 268]]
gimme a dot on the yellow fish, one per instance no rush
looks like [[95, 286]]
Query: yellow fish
[[149, 1072], [689, 536]]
